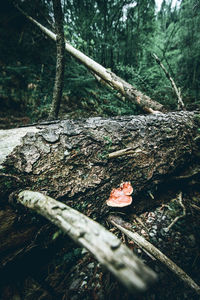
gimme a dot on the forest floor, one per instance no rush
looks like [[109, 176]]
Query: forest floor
[[181, 244]]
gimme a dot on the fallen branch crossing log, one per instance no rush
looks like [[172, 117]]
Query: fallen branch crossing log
[[106, 247]]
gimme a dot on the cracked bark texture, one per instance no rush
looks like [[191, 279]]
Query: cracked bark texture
[[69, 161]]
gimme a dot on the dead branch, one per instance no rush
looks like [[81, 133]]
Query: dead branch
[[145, 245], [107, 248], [139, 220], [177, 90], [195, 206], [178, 217]]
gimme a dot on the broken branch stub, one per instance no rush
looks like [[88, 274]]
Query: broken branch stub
[[106, 247]]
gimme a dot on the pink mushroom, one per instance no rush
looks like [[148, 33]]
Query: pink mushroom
[[120, 197]]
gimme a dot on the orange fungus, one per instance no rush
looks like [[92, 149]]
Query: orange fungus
[[120, 197]]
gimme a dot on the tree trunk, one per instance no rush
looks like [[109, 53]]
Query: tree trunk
[[79, 163], [60, 43]]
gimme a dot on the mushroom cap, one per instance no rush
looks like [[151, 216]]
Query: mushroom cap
[[120, 201], [120, 197], [127, 188]]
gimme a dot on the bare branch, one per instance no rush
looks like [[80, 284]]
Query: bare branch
[[195, 206], [177, 90]]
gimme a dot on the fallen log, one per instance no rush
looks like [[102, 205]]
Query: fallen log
[[125, 89], [69, 160]]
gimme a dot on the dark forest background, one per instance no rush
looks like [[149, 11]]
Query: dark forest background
[[120, 35]]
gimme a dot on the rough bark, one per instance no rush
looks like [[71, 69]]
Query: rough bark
[[127, 90], [69, 160], [60, 44], [74, 158]]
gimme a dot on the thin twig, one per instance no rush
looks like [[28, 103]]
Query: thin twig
[[178, 217], [11, 176], [195, 206], [139, 220]]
